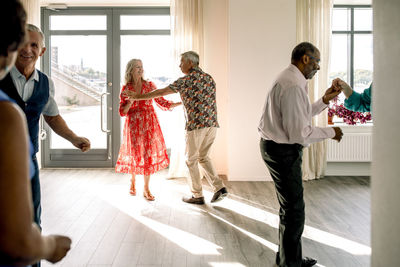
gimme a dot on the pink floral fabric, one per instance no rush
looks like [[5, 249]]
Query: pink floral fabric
[[143, 148]]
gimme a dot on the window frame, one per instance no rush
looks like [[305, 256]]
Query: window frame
[[350, 41]]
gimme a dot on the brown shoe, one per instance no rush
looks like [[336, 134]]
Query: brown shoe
[[193, 200], [219, 195]]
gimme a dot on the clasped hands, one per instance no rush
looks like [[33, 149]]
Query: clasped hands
[[332, 91], [344, 87], [336, 88], [130, 95]]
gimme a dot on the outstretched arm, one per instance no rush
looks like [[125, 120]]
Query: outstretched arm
[[359, 101], [60, 127], [151, 95], [21, 242]]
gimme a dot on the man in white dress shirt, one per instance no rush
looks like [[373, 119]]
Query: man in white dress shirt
[[285, 128]]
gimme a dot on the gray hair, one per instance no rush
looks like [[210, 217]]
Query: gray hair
[[33, 28], [192, 56], [129, 67], [303, 49]]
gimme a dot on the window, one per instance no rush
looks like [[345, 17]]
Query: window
[[351, 53]]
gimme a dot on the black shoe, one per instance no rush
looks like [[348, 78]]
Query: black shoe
[[308, 262], [193, 200], [219, 195]]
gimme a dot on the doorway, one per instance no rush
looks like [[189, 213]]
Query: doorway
[[87, 50]]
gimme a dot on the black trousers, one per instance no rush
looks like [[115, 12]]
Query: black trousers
[[284, 164]]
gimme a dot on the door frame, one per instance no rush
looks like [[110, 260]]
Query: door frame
[[74, 158]]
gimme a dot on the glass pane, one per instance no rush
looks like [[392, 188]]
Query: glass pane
[[341, 19], [363, 61], [97, 22], [158, 67], [78, 69], [155, 22], [363, 19], [339, 59], [157, 59]]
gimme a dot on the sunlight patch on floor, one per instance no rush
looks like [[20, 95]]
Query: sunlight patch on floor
[[136, 207], [312, 233], [262, 241], [198, 245]]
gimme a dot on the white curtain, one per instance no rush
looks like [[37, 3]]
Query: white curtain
[[314, 26], [187, 26], [187, 35], [32, 8]]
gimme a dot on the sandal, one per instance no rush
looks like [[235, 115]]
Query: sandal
[[147, 195], [132, 190]]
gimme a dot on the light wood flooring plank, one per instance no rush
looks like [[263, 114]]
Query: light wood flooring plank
[[111, 228]]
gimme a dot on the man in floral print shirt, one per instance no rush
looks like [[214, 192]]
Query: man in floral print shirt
[[198, 93]]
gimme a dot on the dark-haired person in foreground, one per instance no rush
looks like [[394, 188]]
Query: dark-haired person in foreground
[[285, 128], [33, 91], [21, 242]]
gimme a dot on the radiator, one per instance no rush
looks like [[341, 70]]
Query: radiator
[[354, 147]]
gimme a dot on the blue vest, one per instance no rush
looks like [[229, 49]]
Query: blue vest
[[33, 107]]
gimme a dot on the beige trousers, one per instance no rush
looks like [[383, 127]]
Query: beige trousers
[[198, 144]]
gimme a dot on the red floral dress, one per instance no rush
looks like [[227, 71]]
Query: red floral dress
[[143, 148]]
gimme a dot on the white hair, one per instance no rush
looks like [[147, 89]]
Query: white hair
[[33, 28], [192, 56]]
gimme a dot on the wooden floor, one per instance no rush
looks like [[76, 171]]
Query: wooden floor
[[110, 228]]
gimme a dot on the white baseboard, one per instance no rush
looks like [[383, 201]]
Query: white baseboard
[[348, 169], [332, 169]]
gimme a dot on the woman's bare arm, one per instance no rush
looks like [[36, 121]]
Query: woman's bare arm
[[20, 239]]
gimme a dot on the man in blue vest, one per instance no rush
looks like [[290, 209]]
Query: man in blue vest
[[34, 93]]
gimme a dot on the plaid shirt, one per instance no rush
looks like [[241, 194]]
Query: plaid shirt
[[197, 90]]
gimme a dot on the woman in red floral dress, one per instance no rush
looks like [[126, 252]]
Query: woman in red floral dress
[[143, 148]]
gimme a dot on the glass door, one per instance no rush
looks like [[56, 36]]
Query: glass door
[[78, 56], [87, 51]]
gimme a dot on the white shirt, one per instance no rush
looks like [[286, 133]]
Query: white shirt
[[25, 90], [287, 113]]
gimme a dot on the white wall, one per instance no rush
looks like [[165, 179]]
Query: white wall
[[262, 34], [385, 182], [215, 19]]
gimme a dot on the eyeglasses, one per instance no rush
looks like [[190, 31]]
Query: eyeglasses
[[316, 59]]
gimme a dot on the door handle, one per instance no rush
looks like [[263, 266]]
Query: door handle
[[101, 113]]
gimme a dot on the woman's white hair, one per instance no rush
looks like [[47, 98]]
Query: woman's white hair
[[33, 28], [192, 56], [129, 67]]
